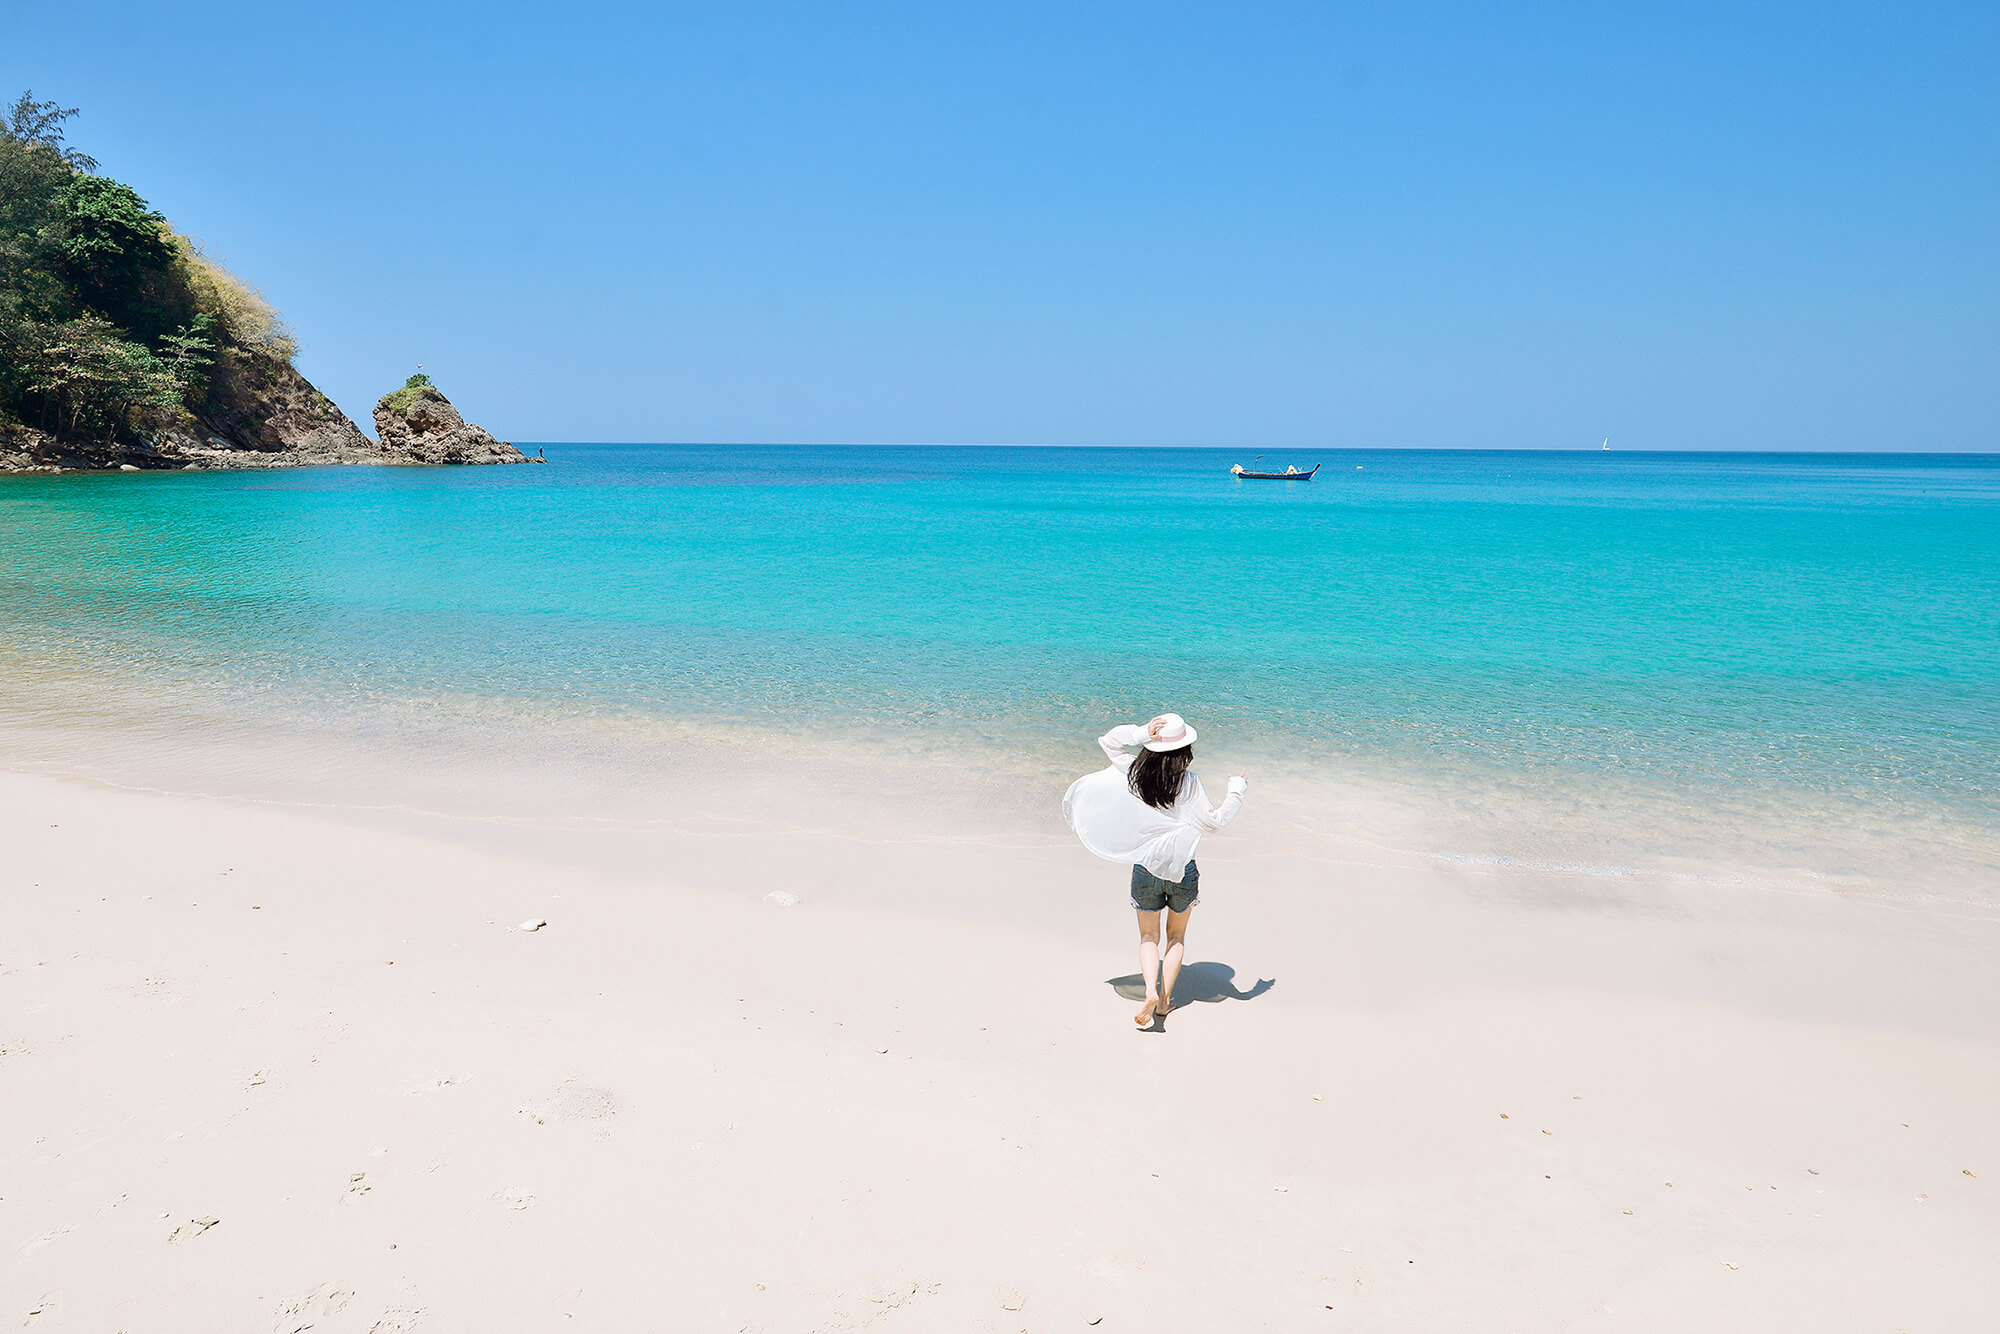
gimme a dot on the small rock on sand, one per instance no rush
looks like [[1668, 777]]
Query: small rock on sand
[[533, 924]]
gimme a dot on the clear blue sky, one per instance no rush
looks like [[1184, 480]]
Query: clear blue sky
[[1682, 226]]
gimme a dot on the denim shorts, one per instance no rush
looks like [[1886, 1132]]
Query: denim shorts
[[1150, 893]]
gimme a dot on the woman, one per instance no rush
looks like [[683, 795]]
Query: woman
[[1149, 809]]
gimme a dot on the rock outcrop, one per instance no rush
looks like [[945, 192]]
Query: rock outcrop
[[267, 415], [275, 410], [271, 417], [418, 424]]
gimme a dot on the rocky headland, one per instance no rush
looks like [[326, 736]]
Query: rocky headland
[[417, 424], [124, 346], [271, 416]]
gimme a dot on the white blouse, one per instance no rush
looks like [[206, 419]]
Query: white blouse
[[1113, 823]]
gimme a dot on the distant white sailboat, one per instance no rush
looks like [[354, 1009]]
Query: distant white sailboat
[[1607, 442]]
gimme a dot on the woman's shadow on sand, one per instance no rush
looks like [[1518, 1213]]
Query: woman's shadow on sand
[[1198, 982]]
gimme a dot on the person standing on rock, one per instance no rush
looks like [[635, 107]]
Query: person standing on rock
[[1150, 809]]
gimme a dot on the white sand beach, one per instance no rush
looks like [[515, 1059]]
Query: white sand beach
[[270, 1068]]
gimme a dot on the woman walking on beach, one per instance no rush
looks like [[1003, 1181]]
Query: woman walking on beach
[[1149, 809]]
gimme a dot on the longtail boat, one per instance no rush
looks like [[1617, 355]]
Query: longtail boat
[[1293, 476]]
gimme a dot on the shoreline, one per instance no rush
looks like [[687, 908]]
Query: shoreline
[[634, 770], [1714, 674], [927, 1109]]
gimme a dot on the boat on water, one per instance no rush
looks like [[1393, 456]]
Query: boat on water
[[1288, 475]]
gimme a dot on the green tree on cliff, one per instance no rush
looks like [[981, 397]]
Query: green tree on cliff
[[92, 382], [39, 124], [116, 256], [33, 171], [112, 325]]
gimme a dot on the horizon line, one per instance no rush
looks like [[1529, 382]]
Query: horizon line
[[1268, 449]]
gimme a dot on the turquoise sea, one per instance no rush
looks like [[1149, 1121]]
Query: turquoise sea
[[1608, 659]]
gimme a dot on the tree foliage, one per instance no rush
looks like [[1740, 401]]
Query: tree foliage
[[112, 325], [40, 124], [115, 254], [189, 354], [97, 383], [400, 400]]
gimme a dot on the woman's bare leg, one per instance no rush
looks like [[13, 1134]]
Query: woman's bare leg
[[1170, 962], [1149, 965]]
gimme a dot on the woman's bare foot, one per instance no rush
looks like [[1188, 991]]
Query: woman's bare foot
[[1145, 1015]]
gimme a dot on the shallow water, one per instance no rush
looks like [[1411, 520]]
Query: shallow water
[[1599, 660]]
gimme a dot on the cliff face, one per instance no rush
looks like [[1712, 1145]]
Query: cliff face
[[419, 425], [272, 409]]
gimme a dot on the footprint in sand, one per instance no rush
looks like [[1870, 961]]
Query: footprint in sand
[[159, 991], [397, 1321], [882, 1296], [49, 1305], [357, 1186], [191, 1229], [515, 1197], [301, 1312], [573, 1102], [33, 1244]]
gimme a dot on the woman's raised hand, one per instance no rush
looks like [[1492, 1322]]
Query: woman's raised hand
[[1153, 728]]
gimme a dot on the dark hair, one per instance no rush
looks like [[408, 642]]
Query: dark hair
[[1155, 777]]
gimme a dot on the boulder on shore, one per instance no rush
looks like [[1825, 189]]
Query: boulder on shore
[[419, 425]]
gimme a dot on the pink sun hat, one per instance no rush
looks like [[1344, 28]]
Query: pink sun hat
[[1174, 733]]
